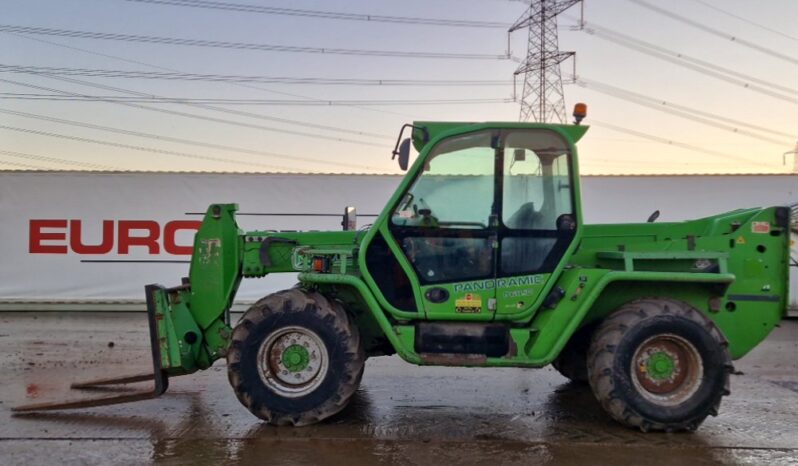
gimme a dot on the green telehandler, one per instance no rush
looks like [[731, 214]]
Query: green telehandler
[[480, 258]]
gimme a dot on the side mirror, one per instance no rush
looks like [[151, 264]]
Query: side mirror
[[404, 154], [350, 219]]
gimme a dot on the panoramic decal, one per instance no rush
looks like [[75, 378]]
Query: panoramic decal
[[481, 285]]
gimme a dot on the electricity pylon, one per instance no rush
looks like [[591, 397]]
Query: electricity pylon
[[542, 97]]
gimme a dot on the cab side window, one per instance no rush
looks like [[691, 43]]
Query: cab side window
[[455, 190]]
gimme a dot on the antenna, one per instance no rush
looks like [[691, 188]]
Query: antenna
[[542, 98]]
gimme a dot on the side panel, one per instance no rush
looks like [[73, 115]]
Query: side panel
[[752, 245], [590, 294], [744, 327]]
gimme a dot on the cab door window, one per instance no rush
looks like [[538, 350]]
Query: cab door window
[[443, 223], [537, 206]]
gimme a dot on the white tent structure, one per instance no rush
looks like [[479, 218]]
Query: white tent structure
[[79, 240]]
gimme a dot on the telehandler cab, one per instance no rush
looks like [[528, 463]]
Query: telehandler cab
[[480, 258]]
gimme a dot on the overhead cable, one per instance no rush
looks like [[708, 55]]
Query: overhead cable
[[269, 10], [747, 20], [181, 140], [673, 143], [247, 86], [242, 45], [280, 102], [47, 159], [629, 41], [144, 149], [150, 65], [257, 116], [716, 32], [682, 111], [184, 114], [700, 66], [246, 79], [25, 166]]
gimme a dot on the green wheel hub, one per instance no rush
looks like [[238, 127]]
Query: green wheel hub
[[293, 361], [296, 358], [667, 369], [660, 366]]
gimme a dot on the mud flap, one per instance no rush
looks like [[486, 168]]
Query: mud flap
[[159, 376]]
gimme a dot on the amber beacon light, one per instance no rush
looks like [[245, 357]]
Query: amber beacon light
[[580, 112]]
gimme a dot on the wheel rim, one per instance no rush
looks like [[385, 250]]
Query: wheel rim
[[293, 361], [667, 369]]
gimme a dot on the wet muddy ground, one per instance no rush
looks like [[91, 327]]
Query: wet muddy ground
[[401, 415]]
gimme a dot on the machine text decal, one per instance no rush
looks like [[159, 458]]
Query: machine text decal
[[481, 285]]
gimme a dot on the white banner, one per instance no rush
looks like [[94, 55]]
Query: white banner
[[83, 236], [102, 237]]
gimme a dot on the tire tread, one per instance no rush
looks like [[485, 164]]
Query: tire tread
[[601, 359], [328, 311]]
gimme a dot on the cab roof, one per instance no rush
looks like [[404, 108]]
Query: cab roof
[[432, 129]]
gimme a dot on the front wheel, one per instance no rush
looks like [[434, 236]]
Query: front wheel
[[659, 364], [295, 358]]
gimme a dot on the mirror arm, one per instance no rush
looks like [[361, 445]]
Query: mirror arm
[[399, 139]]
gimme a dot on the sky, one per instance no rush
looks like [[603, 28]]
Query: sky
[[736, 108]]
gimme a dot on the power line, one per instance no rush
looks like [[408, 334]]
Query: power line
[[613, 163], [746, 20], [684, 111], [242, 45], [179, 140], [256, 116], [42, 158], [23, 166], [184, 114], [671, 142], [629, 41], [245, 8], [685, 61], [246, 79], [150, 65], [283, 102], [143, 148], [717, 32]]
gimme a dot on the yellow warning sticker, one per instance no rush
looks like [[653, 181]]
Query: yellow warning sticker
[[740, 240], [468, 304]]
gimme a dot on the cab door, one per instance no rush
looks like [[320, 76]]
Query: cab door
[[447, 224], [538, 220]]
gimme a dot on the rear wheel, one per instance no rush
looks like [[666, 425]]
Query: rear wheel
[[295, 358], [659, 364]]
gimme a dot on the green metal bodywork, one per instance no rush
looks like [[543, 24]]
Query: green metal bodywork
[[733, 267]]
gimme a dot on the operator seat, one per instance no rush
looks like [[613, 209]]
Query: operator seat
[[526, 217], [525, 252]]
